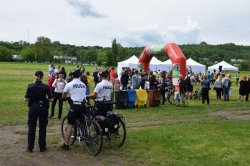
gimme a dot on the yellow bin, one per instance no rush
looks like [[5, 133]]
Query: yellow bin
[[142, 97]]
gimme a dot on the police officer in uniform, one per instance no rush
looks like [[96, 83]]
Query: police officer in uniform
[[77, 91], [38, 95], [102, 92]]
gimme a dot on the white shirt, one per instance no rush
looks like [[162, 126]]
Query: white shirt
[[76, 89], [59, 85], [104, 89], [56, 71]]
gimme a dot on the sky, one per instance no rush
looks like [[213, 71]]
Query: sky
[[131, 22]]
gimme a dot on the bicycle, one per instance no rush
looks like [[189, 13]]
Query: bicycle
[[112, 124], [87, 131], [169, 94], [196, 94]]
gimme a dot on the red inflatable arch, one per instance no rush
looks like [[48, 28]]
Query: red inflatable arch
[[171, 50]]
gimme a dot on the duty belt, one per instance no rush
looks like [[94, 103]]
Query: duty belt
[[77, 102], [39, 102]]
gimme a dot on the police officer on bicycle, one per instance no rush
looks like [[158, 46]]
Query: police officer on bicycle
[[77, 91], [38, 109], [103, 93]]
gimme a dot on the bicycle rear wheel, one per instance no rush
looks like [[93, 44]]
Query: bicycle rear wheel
[[93, 137], [118, 137], [64, 129]]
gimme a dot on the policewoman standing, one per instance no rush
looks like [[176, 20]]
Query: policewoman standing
[[38, 96], [77, 91]]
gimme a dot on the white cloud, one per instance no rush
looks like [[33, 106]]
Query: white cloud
[[140, 36], [188, 33], [152, 21], [154, 34], [85, 8]]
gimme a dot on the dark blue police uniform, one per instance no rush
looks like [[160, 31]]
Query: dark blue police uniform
[[38, 109]]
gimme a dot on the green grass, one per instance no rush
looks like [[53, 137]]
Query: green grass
[[14, 79], [164, 135]]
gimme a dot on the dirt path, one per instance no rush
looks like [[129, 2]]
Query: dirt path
[[232, 115], [13, 140]]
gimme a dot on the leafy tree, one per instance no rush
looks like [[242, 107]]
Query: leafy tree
[[29, 53], [122, 52], [91, 55], [101, 57], [114, 50], [71, 52], [43, 50], [44, 41], [110, 58], [244, 66], [5, 54]]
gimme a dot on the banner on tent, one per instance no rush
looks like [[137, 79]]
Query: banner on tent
[[175, 72]]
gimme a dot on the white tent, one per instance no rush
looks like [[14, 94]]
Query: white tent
[[225, 66], [132, 63], [196, 67], [154, 64], [166, 65]]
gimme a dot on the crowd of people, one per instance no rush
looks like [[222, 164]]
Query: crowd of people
[[220, 82], [76, 84]]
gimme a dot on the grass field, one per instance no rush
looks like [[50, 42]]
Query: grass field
[[164, 135]]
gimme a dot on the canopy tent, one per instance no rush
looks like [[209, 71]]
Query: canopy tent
[[225, 66], [132, 63], [166, 65], [154, 64], [195, 66]]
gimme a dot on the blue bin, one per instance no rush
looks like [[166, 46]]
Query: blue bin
[[131, 98]]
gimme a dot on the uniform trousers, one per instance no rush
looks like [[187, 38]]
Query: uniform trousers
[[37, 111]]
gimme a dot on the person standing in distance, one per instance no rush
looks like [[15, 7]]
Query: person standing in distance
[[77, 91], [225, 87], [38, 95], [103, 92], [180, 91], [136, 80], [124, 79], [59, 85], [205, 87]]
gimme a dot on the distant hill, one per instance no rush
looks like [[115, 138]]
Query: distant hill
[[45, 50]]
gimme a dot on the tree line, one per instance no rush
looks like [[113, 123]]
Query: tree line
[[44, 50]]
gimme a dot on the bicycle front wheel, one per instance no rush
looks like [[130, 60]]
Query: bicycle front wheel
[[93, 137], [64, 129]]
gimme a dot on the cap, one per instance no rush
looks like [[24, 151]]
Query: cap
[[39, 73], [104, 73], [76, 73]]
